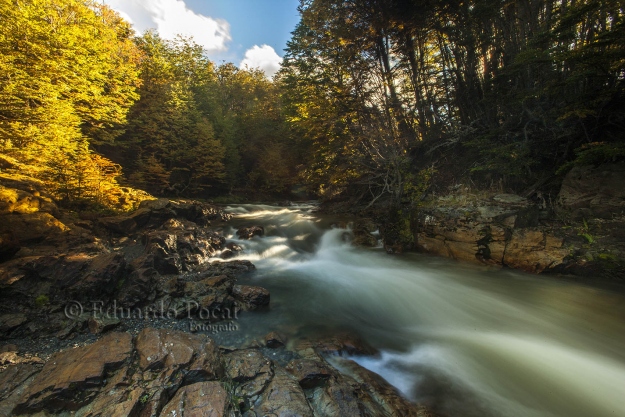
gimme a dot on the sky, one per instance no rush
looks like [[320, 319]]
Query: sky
[[250, 33]]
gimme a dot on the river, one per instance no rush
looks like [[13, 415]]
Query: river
[[468, 340]]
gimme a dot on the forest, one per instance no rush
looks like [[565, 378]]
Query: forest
[[377, 101]]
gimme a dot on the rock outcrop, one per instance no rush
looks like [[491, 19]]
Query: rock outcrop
[[171, 373], [250, 232], [593, 192], [159, 257], [508, 230], [505, 230]]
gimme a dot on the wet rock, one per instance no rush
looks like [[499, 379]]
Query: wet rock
[[102, 325], [246, 364], [9, 322], [70, 379], [384, 394], [179, 247], [114, 402], [343, 397], [250, 232], [203, 399], [336, 345], [309, 373], [15, 375], [227, 254], [233, 247], [233, 268], [139, 287], [283, 397], [251, 297], [274, 340], [171, 350]]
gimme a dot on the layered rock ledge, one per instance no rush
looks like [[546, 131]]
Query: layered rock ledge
[[171, 373]]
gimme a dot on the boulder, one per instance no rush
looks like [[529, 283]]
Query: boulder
[[250, 371], [10, 322], [247, 364], [336, 345], [233, 247], [284, 397], [274, 340], [80, 276], [70, 378], [99, 325], [202, 399], [171, 350], [250, 232], [309, 373], [32, 227], [251, 297], [389, 401]]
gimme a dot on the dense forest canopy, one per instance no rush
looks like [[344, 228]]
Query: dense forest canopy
[[506, 92], [376, 99]]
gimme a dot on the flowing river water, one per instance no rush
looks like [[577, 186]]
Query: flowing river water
[[469, 341]]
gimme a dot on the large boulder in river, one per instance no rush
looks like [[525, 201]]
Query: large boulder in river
[[250, 232], [180, 246], [251, 297]]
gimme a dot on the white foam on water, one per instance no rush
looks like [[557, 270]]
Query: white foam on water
[[520, 346]]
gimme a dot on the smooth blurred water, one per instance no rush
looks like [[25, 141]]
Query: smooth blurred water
[[470, 341]]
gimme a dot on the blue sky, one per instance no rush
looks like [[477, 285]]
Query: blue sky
[[245, 32]]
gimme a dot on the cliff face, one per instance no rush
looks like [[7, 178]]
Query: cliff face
[[583, 232]]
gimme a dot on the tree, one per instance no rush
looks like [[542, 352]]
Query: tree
[[68, 71]]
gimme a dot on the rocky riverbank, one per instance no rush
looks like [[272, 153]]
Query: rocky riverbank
[[581, 231], [113, 316], [164, 372]]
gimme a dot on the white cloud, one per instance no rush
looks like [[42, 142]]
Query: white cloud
[[263, 57], [173, 17]]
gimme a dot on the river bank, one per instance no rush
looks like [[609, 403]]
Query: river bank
[[578, 231], [141, 315], [442, 334]]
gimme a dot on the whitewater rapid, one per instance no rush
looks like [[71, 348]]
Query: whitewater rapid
[[470, 341]]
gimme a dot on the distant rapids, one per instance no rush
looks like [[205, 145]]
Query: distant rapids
[[469, 341]]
